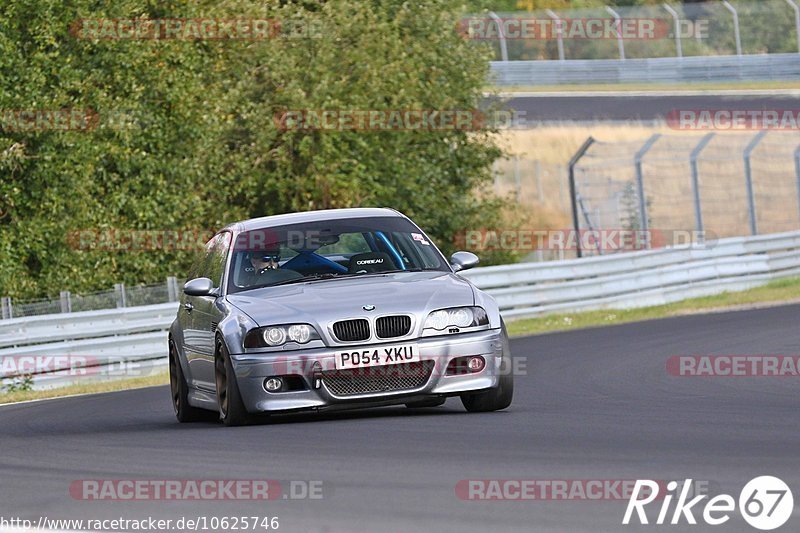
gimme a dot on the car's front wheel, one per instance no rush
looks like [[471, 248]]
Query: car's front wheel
[[231, 408], [500, 396], [180, 391]]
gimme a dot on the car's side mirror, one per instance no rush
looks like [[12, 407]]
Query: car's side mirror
[[199, 287], [463, 261]]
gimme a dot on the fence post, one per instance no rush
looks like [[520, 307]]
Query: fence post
[[588, 219], [796, 9], [517, 180], [643, 222], [501, 34], [698, 207], [559, 33], [119, 288], [66, 302], [573, 191], [620, 40], [5, 308], [797, 172], [677, 19], [748, 176], [172, 289], [736, 32]]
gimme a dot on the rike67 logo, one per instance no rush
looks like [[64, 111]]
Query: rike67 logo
[[766, 503]]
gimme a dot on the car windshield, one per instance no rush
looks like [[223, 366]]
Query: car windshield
[[330, 249]]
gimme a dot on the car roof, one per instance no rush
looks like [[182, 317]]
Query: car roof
[[312, 216]]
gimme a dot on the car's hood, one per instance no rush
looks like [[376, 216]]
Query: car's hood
[[323, 301]]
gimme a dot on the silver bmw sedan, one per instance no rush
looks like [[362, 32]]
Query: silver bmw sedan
[[333, 309]]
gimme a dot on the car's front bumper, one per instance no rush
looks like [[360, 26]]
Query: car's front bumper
[[252, 369]]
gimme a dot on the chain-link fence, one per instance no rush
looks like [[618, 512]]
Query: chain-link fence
[[120, 296], [698, 185], [716, 185], [662, 30]]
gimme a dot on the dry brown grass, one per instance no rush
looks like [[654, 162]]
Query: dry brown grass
[[557, 144]]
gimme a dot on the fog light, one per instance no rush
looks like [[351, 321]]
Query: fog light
[[475, 364], [273, 384]]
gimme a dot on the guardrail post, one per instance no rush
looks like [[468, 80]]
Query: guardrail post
[[573, 191], [644, 223], [620, 40], [66, 302], [698, 206], [676, 17], [736, 31], [172, 289], [748, 176], [119, 288], [559, 32], [796, 9], [6, 309], [501, 34], [797, 173]]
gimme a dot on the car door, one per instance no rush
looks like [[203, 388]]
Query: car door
[[190, 337], [205, 312]]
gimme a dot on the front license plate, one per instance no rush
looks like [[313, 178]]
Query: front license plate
[[384, 355]]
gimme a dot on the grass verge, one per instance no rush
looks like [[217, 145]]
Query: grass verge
[[89, 388], [775, 292]]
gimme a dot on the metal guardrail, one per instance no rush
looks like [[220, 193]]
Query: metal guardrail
[[640, 279], [671, 70], [101, 341]]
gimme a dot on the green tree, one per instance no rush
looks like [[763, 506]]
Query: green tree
[[186, 137]]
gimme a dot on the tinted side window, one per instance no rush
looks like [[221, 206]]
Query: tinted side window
[[214, 261]]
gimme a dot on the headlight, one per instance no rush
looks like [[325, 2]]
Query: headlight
[[273, 336], [459, 317], [300, 333]]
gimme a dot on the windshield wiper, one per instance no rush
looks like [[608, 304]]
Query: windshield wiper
[[381, 272], [330, 275], [310, 277]]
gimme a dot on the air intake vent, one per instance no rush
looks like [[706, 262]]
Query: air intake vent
[[387, 327], [352, 330]]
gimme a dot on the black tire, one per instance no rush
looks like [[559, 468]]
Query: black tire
[[434, 402], [231, 408], [500, 396], [180, 391]]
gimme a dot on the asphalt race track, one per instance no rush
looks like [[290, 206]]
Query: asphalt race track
[[598, 106], [595, 404]]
